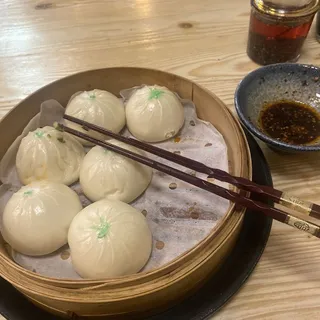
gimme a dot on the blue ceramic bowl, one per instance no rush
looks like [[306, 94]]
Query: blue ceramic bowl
[[283, 81]]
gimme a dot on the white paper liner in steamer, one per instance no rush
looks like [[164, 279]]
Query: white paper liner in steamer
[[179, 214]]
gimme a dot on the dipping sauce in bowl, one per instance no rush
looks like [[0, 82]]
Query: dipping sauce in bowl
[[280, 105], [290, 122]]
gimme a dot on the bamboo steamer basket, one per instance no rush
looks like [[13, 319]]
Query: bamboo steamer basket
[[145, 293]]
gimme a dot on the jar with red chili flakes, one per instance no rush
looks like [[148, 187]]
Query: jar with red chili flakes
[[278, 29]]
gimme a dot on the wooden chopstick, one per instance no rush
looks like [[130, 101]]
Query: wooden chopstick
[[202, 184], [277, 196]]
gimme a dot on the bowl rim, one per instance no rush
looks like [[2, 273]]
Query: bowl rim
[[252, 127]]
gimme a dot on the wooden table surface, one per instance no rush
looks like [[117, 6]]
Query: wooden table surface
[[203, 40]]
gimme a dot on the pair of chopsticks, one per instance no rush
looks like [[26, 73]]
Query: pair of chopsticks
[[275, 195]]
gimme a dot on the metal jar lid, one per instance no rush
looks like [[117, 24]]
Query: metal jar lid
[[287, 8]]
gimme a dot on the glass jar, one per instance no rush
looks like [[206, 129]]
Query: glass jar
[[278, 29]]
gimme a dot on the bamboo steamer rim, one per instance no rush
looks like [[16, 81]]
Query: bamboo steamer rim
[[167, 268]]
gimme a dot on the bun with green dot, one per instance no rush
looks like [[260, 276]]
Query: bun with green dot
[[98, 107], [106, 174], [108, 239], [154, 114], [36, 218], [49, 154]]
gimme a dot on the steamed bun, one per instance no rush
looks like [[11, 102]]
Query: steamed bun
[[36, 218], [109, 239], [154, 114], [106, 174], [98, 107], [48, 154]]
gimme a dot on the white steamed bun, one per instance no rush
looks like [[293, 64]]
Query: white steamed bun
[[109, 239], [154, 114], [106, 174], [98, 107], [36, 218], [48, 154]]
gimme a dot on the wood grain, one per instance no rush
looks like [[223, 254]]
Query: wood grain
[[205, 41]]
